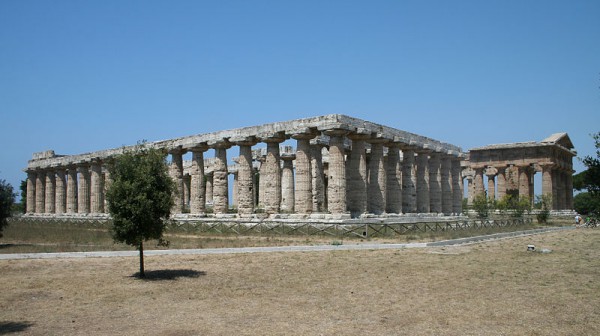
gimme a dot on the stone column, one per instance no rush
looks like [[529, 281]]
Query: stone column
[[409, 181], [446, 180], [491, 173], [187, 190], [393, 173], [72, 188], [107, 183], [356, 175], [209, 188], [40, 192], [548, 183], [435, 183], [318, 184], [377, 180], [423, 182], [287, 184], [270, 177], [478, 187], [31, 180], [234, 189], [176, 172], [569, 189], [50, 201], [220, 175], [61, 195], [303, 197], [457, 186], [524, 181], [245, 176], [336, 182], [501, 182], [197, 182], [83, 193], [561, 192], [97, 188]]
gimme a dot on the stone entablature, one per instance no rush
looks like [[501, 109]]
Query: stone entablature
[[510, 169], [341, 165]]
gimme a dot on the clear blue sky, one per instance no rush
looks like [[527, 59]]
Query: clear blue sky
[[81, 76]]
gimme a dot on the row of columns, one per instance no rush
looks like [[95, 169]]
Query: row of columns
[[556, 181], [423, 181]]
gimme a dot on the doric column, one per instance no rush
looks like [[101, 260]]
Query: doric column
[[83, 193], [209, 187], [548, 183], [245, 176], [562, 192], [72, 188], [31, 180], [234, 188], [356, 175], [187, 189], [377, 181], [393, 173], [107, 183], [97, 188], [478, 187], [336, 182], [423, 181], [569, 189], [220, 175], [50, 201], [40, 191], [501, 182], [457, 186], [318, 183], [435, 183], [446, 180], [409, 181], [270, 177], [491, 173], [61, 188], [287, 183], [176, 172], [303, 197], [524, 181]]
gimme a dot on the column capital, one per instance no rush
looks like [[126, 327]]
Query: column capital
[[305, 134], [220, 144], [359, 134], [336, 132], [491, 171], [277, 137], [244, 141], [197, 147]]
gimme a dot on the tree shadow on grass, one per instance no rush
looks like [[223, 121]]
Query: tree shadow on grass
[[7, 327], [159, 275]]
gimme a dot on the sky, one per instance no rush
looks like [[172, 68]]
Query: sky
[[81, 76]]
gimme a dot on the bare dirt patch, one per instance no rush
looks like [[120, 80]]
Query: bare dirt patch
[[490, 288]]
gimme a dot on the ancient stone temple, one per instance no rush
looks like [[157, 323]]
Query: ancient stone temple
[[510, 169], [334, 165]]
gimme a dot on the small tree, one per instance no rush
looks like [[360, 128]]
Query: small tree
[[591, 176], [545, 202], [139, 197], [482, 206], [7, 198]]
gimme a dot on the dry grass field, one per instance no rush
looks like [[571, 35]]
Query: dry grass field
[[489, 288]]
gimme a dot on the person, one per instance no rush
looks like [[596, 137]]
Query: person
[[577, 219]]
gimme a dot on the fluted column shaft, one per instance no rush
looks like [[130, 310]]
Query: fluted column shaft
[[31, 181], [409, 182], [271, 177], [377, 180], [197, 183], [318, 183], [50, 201], [446, 181], [107, 183], [209, 188], [61, 195], [548, 183], [72, 188], [303, 196], [356, 175], [393, 188], [569, 189], [336, 182], [287, 185], [220, 180], [40, 191], [97, 189], [524, 183], [83, 193], [501, 183], [435, 183], [423, 182], [478, 187], [457, 186], [245, 180], [176, 172]]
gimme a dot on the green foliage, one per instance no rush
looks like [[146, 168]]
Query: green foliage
[[591, 177], [514, 204], [23, 188], [585, 203], [545, 205], [579, 180], [139, 197], [482, 205], [7, 198]]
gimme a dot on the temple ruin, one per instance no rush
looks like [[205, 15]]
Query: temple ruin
[[327, 167]]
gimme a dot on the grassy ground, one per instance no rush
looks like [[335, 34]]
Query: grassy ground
[[489, 288], [53, 236]]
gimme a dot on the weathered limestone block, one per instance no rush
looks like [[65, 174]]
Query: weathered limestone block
[[423, 182], [409, 182], [61, 195], [72, 188], [245, 176], [336, 186], [435, 183], [377, 178], [356, 175], [50, 201], [393, 174]]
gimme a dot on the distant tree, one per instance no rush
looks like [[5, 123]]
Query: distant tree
[[7, 198], [139, 197], [579, 180], [591, 178], [23, 188], [585, 203]]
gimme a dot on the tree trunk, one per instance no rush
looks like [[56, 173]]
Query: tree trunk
[[142, 274]]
